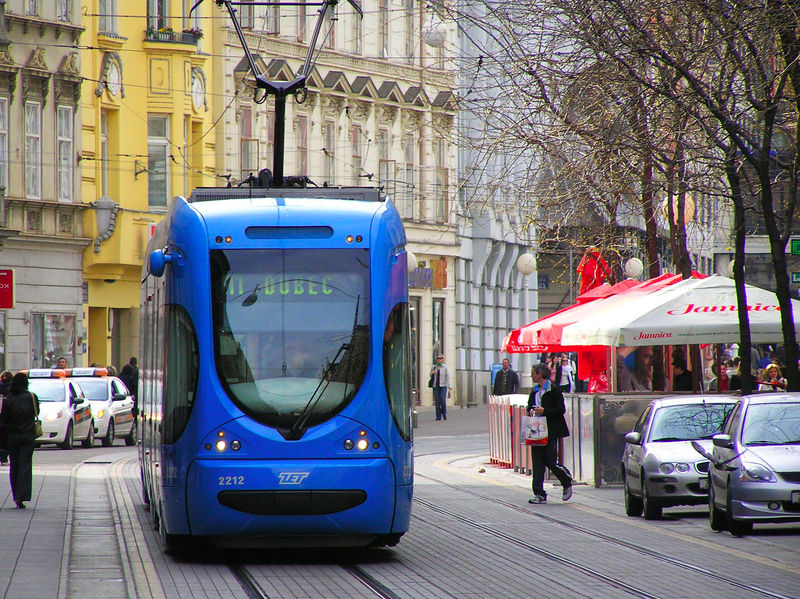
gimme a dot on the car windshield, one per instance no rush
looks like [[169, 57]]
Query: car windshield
[[47, 390], [95, 389], [291, 330], [772, 424], [689, 422]]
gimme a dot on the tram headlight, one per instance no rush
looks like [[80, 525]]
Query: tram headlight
[[221, 445], [362, 444], [235, 445], [348, 444]]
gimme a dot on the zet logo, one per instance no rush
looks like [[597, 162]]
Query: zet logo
[[292, 478]]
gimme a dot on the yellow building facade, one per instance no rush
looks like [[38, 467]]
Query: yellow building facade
[[146, 137]]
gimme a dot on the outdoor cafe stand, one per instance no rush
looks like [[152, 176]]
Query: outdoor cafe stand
[[606, 324]]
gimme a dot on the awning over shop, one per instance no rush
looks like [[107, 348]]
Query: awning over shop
[[694, 311], [545, 334]]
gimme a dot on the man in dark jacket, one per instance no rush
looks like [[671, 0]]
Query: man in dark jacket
[[682, 381], [506, 381], [547, 400]]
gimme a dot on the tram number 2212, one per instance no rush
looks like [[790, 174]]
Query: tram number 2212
[[229, 481]]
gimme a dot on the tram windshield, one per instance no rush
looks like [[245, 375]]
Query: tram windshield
[[291, 331]]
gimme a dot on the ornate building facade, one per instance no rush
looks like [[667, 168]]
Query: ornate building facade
[[41, 214]]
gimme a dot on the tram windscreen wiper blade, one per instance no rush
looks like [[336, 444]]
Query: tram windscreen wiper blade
[[302, 418]]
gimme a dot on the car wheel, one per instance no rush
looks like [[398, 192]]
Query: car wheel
[[89, 440], [108, 440], [652, 511], [67, 443], [633, 504], [716, 517], [737, 527], [131, 439]]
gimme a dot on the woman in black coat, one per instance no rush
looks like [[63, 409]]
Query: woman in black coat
[[20, 408], [546, 399]]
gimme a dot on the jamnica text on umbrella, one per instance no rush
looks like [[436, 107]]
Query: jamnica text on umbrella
[[692, 308]]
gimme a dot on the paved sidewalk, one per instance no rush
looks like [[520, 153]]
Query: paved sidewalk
[[69, 540]]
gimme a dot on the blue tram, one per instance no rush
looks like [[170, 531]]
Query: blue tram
[[274, 389]]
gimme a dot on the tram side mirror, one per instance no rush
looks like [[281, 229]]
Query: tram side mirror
[[157, 263], [160, 258]]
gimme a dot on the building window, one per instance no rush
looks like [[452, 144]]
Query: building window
[[104, 153], [442, 181], [301, 22], [157, 160], [409, 31], [329, 171], [270, 151], [272, 18], [249, 144], [437, 321], [383, 29], [32, 7], [4, 143], [355, 164], [385, 166], [302, 145], [62, 10], [33, 150], [64, 128], [53, 336], [357, 34], [407, 205], [156, 14], [107, 21], [246, 14], [328, 30]]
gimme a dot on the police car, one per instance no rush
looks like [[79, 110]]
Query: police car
[[111, 402], [65, 413]]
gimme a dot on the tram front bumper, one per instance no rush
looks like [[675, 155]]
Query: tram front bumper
[[297, 497]]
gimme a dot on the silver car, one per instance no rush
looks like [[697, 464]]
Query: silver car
[[660, 467], [755, 470]]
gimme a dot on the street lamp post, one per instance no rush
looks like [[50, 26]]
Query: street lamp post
[[526, 265]]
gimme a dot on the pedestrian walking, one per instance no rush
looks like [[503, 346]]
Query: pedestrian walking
[[506, 381], [546, 399], [134, 386], [440, 383], [20, 409], [5, 384]]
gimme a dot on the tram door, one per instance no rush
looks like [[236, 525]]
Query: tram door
[[414, 341]]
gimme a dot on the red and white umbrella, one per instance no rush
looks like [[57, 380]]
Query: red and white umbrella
[[694, 311]]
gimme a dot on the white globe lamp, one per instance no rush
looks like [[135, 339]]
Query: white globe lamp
[[634, 268], [526, 264], [411, 260], [434, 33]]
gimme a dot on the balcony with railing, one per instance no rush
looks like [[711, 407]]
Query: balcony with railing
[[167, 34]]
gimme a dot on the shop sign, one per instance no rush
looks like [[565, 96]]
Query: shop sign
[[6, 289], [434, 277], [421, 277]]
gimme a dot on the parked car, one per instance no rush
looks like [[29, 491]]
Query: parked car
[[755, 470], [660, 468], [65, 413], [111, 403]]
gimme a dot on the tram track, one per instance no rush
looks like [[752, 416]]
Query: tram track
[[249, 579], [643, 551]]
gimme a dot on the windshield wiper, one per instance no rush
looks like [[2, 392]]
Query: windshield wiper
[[672, 439], [295, 432]]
